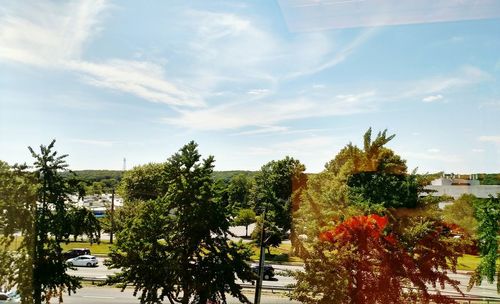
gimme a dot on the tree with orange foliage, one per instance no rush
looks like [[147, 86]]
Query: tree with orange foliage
[[368, 236]]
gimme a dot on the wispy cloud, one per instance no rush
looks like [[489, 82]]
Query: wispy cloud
[[490, 138], [143, 79], [432, 98], [51, 35], [93, 142], [338, 56], [432, 88], [433, 150], [46, 33], [238, 115], [446, 158]]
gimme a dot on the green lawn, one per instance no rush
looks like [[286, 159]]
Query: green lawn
[[280, 254]]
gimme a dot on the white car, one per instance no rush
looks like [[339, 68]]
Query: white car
[[83, 260], [10, 297]]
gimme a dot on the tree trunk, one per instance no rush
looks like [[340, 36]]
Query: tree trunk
[[246, 231]]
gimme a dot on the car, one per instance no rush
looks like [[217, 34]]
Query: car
[[83, 260], [73, 253], [268, 271], [10, 297]]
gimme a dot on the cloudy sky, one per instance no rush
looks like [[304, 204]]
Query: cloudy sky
[[251, 81]]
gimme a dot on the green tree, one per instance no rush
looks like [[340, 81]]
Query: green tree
[[239, 192], [52, 226], [143, 182], [245, 217], [176, 247], [488, 217], [18, 203], [461, 212], [273, 192]]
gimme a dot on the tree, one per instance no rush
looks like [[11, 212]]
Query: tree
[[361, 220], [52, 226], [239, 191], [143, 182], [461, 212], [488, 217], [371, 264], [273, 192], [18, 203], [245, 217], [176, 247]]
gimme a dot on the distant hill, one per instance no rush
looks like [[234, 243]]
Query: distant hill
[[90, 176]]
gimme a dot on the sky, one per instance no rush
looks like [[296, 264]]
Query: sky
[[251, 81]]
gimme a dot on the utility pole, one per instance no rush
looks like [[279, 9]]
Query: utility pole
[[111, 216], [258, 287]]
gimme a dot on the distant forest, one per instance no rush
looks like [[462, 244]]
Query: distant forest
[[114, 176]]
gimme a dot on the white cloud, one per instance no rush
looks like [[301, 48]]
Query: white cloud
[[490, 138], [46, 33], [477, 150], [432, 98], [264, 130], [446, 158], [93, 142], [433, 150], [51, 35], [245, 114], [143, 79], [258, 92], [338, 57], [465, 76]]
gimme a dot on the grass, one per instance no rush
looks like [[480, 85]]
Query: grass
[[102, 248], [281, 254]]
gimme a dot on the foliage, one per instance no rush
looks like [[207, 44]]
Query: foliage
[[52, 226], [17, 202], [364, 216], [83, 222], [488, 217], [176, 247], [372, 265], [273, 192], [461, 212], [143, 182], [489, 179], [245, 217], [239, 192]]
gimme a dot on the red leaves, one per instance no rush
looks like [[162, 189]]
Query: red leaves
[[381, 263], [359, 228]]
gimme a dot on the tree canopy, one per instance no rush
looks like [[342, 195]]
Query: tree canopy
[[176, 246], [366, 233]]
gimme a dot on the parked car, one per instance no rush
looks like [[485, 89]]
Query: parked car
[[10, 297], [83, 260], [73, 253], [268, 271]]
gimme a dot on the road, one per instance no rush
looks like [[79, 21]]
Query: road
[[108, 295], [281, 280]]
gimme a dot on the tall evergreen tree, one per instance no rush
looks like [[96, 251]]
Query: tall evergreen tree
[[52, 226], [176, 247]]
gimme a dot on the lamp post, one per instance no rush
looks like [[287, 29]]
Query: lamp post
[[258, 287]]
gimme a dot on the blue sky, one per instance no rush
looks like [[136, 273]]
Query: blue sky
[[251, 81]]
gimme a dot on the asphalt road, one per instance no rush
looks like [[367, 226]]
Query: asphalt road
[[281, 280], [105, 295]]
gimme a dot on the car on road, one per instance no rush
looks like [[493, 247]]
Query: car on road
[[73, 253], [10, 297], [83, 260], [268, 271]]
